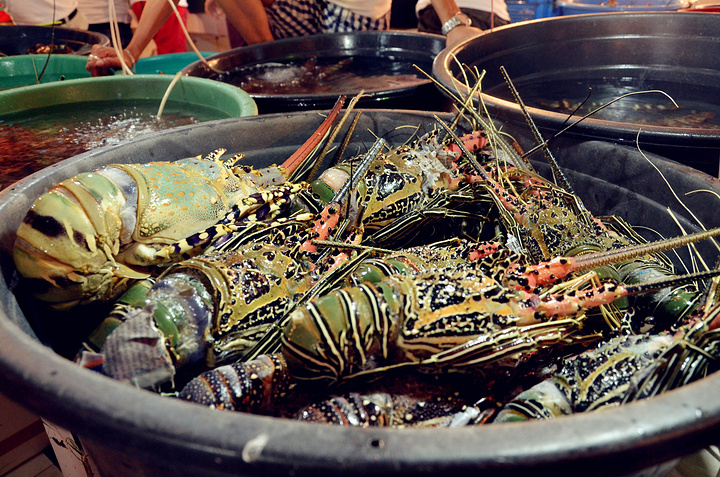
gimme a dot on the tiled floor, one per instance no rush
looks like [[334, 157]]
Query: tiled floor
[[25, 449], [38, 466]]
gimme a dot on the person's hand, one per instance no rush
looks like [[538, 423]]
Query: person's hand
[[213, 9], [461, 33], [103, 60]]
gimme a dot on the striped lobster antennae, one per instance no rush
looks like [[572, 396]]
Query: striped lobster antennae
[[545, 273]]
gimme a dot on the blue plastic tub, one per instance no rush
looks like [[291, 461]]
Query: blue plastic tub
[[570, 7], [523, 10]]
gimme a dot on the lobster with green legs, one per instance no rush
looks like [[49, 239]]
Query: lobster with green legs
[[431, 321], [201, 312], [240, 329]]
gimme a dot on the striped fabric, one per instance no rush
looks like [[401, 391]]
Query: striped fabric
[[291, 18], [339, 19]]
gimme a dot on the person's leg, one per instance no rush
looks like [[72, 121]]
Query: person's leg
[[234, 36]]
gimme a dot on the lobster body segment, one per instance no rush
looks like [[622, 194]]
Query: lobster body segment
[[413, 320], [174, 197], [70, 253]]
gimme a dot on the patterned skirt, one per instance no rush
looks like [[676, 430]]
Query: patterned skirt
[[291, 18]]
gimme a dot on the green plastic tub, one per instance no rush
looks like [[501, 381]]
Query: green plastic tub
[[168, 64], [44, 124], [25, 70], [219, 100]]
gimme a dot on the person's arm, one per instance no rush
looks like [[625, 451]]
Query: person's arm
[[103, 58], [445, 10], [249, 19]]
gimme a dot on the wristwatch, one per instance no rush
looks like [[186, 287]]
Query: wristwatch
[[456, 20]]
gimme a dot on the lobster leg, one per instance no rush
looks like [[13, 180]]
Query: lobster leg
[[257, 207], [330, 216]]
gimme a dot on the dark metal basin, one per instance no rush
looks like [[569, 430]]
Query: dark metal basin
[[377, 53], [16, 39], [135, 432], [561, 58]]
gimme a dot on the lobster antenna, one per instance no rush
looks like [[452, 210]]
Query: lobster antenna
[[598, 259], [351, 246], [272, 339], [335, 131], [346, 140], [558, 175], [485, 124], [577, 108], [632, 93], [358, 174], [670, 282], [466, 105], [473, 162], [297, 159]]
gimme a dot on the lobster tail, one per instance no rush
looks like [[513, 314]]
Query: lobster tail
[[247, 387], [66, 242], [388, 410], [136, 352]]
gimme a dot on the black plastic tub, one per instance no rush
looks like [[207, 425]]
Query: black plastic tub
[[17, 39], [134, 432], [388, 56], [562, 58]]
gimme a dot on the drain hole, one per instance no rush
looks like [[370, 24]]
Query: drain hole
[[377, 443]]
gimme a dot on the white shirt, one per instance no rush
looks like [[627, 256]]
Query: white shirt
[[96, 11], [497, 6], [25, 12], [368, 8]]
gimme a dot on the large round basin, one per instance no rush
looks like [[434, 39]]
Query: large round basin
[[557, 63], [18, 39], [310, 72], [129, 431], [45, 123]]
